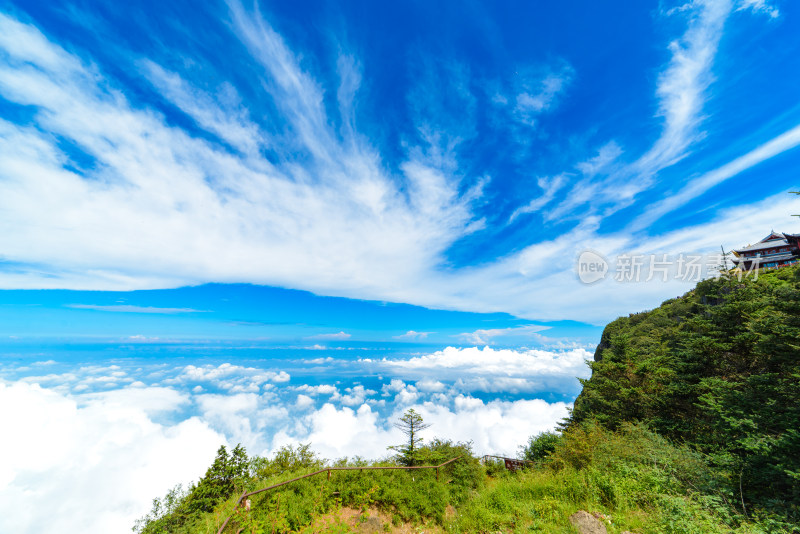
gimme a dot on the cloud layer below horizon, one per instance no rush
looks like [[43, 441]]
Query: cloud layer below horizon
[[103, 440]]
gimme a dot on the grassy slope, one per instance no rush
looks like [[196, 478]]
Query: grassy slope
[[639, 481]]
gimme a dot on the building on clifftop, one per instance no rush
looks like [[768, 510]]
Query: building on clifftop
[[775, 250]]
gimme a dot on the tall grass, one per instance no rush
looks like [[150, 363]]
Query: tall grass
[[636, 479]]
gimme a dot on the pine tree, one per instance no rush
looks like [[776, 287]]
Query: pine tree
[[226, 476], [411, 424]]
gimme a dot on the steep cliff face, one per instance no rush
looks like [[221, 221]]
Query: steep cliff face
[[718, 368], [605, 343]]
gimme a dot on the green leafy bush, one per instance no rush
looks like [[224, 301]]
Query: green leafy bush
[[540, 446]]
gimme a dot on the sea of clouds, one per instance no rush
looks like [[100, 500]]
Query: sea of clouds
[[94, 444]]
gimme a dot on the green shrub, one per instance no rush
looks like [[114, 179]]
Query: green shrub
[[540, 446]]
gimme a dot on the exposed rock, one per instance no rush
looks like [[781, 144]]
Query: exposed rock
[[586, 523], [605, 343], [372, 525]]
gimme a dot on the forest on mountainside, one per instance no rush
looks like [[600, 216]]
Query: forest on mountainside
[[717, 369]]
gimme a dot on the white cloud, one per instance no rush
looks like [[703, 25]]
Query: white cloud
[[303, 402], [406, 396], [97, 463], [150, 400], [333, 336], [759, 6], [338, 432], [549, 186], [161, 208], [243, 417], [491, 369], [110, 448], [155, 189], [495, 427], [485, 336], [682, 86], [322, 389], [697, 186], [138, 338], [356, 395], [605, 157], [430, 386], [228, 376], [682, 90], [411, 334], [222, 114], [538, 90], [394, 386], [282, 376], [285, 233], [319, 361]]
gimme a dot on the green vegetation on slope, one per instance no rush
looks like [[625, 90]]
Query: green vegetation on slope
[[635, 478], [718, 369], [409, 496], [689, 424]]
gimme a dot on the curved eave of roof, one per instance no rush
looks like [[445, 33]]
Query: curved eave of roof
[[775, 243], [766, 243], [768, 259]]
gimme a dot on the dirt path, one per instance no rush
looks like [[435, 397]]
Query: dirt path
[[370, 522]]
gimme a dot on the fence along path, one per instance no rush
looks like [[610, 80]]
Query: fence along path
[[328, 470]]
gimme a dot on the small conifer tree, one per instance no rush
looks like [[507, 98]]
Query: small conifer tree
[[411, 424]]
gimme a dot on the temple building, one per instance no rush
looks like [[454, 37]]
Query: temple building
[[775, 250]]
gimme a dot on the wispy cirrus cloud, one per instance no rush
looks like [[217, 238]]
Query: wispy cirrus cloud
[[129, 308], [699, 185], [682, 89], [759, 6], [538, 90], [106, 192], [222, 114], [549, 186], [258, 221]]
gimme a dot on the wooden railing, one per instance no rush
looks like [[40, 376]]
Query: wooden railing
[[328, 470]]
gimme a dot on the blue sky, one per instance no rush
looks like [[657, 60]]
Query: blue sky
[[266, 222], [455, 159]]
